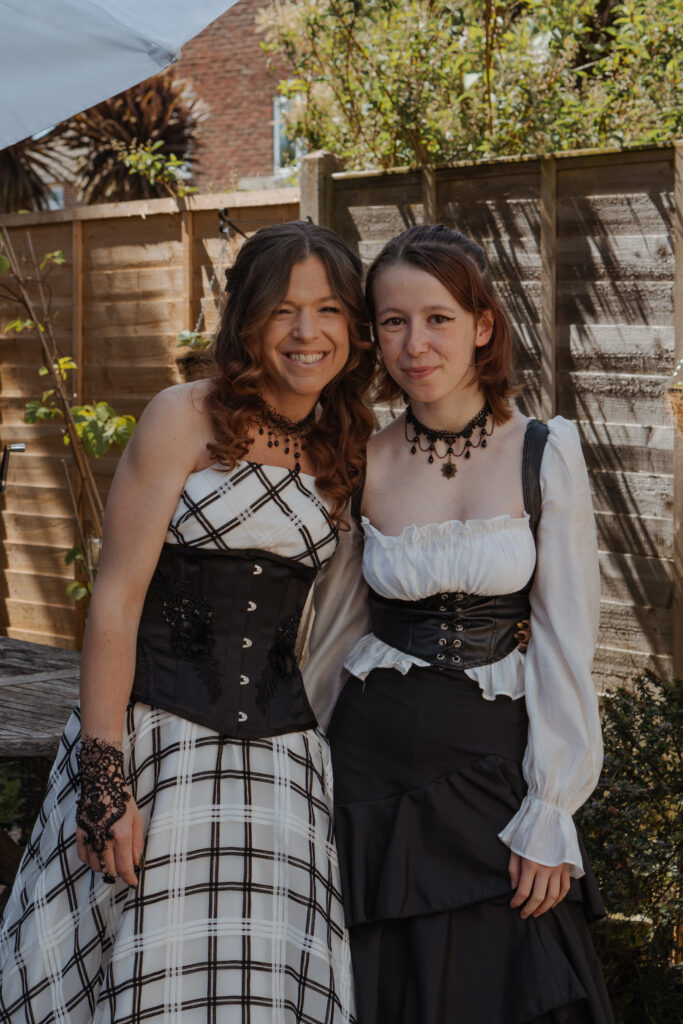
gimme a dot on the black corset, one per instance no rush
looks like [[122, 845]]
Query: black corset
[[454, 631], [216, 642]]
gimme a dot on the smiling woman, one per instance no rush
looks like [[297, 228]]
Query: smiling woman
[[459, 758], [295, 332], [306, 341], [202, 881]]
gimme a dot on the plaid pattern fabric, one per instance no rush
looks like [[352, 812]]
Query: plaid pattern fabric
[[237, 917], [255, 506]]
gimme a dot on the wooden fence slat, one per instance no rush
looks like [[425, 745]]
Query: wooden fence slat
[[677, 610], [77, 348], [548, 304]]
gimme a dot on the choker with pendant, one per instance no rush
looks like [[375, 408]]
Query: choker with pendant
[[443, 444], [291, 435]]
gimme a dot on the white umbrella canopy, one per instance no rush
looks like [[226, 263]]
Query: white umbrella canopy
[[58, 57]]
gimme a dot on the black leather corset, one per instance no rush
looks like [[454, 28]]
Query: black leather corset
[[216, 640], [454, 631]]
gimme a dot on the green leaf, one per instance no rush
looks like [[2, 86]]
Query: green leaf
[[36, 412], [4, 263], [57, 257], [19, 325], [194, 340], [73, 553], [76, 590]]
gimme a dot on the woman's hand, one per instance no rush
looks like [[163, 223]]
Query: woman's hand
[[523, 635], [123, 853], [109, 834], [539, 887]]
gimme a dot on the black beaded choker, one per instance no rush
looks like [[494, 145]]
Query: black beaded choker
[[448, 438], [292, 433]]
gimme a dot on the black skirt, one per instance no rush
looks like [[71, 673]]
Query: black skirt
[[426, 774]]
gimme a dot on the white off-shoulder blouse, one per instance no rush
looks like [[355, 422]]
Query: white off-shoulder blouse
[[497, 556]]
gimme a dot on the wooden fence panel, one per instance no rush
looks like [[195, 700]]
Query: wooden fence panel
[[134, 277], [582, 249], [614, 355]]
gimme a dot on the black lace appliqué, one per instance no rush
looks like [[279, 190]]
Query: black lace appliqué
[[191, 620], [280, 660], [104, 794]]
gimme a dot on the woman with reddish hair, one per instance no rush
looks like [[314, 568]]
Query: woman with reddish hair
[[201, 884], [459, 755]]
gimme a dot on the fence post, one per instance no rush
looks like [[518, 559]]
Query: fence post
[[429, 199], [189, 289], [317, 190], [678, 437], [78, 354], [548, 382]]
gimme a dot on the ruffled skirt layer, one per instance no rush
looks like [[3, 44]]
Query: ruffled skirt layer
[[427, 774]]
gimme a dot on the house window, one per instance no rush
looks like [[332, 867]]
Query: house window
[[286, 153]]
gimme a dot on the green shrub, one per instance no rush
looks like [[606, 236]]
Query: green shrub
[[631, 826]]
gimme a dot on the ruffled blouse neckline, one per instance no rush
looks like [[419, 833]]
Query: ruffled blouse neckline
[[428, 531]]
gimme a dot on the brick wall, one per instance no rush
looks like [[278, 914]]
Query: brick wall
[[227, 69]]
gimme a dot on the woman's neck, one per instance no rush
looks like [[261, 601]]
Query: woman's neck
[[292, 407], [449, 413]]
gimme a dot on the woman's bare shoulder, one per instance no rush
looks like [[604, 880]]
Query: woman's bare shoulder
[[176, 422], [186, 400]]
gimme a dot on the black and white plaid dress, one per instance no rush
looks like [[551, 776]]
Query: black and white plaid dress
[[237, 917]]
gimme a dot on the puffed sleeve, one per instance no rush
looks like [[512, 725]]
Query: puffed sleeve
[[564, 751], [340, 617]]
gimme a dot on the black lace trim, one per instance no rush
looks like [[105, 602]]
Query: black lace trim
[[104, 794], [190, 617], [280, 660]]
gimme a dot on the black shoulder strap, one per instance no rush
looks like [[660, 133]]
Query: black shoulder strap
[[534, 445]]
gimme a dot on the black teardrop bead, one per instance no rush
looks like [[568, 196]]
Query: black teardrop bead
[[270, 444], [483, 443], [276, 443], [468, 444], [260, 430], [431, 458], [467, 454], [286, 451], [413, 450], [450, 451]]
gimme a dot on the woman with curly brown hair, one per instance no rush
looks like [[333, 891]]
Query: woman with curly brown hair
[[201, 883]]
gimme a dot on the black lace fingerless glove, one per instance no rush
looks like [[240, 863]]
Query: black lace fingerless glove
[[104, 795]]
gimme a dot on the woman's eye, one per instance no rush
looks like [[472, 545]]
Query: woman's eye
[[440, 318], [330, 309], [281, 312], [392, 321]]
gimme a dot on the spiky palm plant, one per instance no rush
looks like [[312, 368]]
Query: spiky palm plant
[[157, 109], [26, 170]]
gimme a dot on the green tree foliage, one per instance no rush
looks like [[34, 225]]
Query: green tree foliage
[[131, 146], [396, 82], [26, 169]]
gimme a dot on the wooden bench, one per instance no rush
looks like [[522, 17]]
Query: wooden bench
[[38, 690]]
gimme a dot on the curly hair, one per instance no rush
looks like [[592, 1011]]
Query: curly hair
[[459, 264], [257, 284]]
